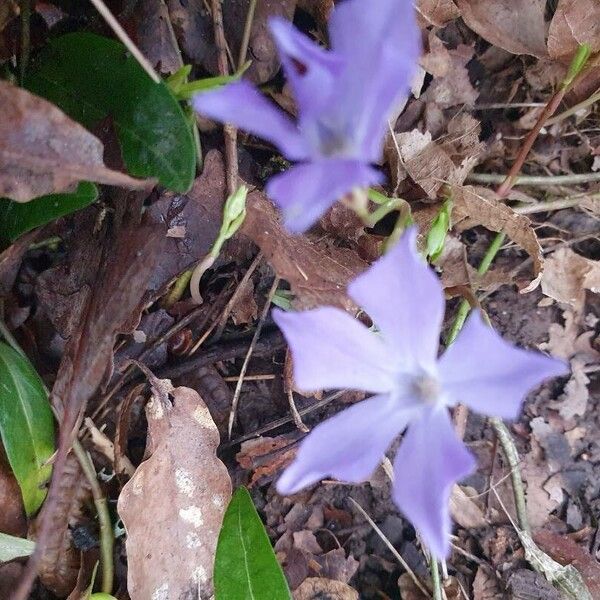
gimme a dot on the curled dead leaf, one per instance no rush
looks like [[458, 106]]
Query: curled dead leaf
[[173, 506], [575, 22], [480, 206], [42, 151], [317, 274], [517, 26], [319, 588], [437, 12]]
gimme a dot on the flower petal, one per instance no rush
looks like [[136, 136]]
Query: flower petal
[[306, 191], [310, 69], [242, 105], [381, 66], [330, 350], [490, 375], [404, 297], [430, 460], [349, 446]]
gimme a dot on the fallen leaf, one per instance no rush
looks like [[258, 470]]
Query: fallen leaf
[[517, 26], [567, 552], [12, 512], [479, 206], [155, 36], [566, 277], [42, 151], [575, 22], [574, 399], [59, 566], [437, 12], [320, 10], [317, 274], [486, 586], [524, 583], [465, 511], [266, 456], [173, 506], [318, 588]]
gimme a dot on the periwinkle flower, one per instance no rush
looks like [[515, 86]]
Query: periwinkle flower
[[414, 388], [344, 98]]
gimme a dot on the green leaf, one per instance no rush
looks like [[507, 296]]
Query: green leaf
[[14, 547], [17, 218], [245, 565], [26, 426], [91, 77]]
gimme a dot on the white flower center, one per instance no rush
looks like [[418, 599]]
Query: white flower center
[[427, 389]]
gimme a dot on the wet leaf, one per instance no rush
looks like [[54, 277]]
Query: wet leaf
[[14, 547], [17, 218], [245, 564], [42, 151], [91, 78], [517, 26], [173, 506], [26, 426]]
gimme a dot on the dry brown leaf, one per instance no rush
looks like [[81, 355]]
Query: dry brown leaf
[[574, 399], [479, 206], [59, 566], [567, 552], [12, 513], [437, 12], [173, 506], [575, 22], [516, 26], [42, 151], [567, 275], [317, 274], [318, 588], [465, 511], [486, 586]]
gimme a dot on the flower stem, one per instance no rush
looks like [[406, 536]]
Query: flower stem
[[464, 307], [435, 578]]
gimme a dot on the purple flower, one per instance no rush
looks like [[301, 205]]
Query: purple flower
[[414, 388], [344, 97]]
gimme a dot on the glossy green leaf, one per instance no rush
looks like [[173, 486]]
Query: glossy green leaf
[[91, 77], [17, 218], [14, 547], [26, 426], [245, 565]]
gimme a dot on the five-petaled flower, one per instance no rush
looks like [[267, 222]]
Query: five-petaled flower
[[414, 388], [344, 99]]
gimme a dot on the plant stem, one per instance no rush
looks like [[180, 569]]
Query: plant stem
[[106, 530], [464, 307], [535, 180], [435, 579], [512, 457]]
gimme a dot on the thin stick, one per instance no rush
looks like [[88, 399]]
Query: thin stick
[[25, 38], [393, 550], [558, 204], [575, 109], [106, 530], [246, 34], [535, 180], [238, 387], [122, 35], [229, 130]]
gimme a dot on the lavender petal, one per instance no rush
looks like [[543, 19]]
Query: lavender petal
[[331, 350], [310, 70], [430, 460], [490, 375], [242, 105], [405, 299], [349, 446], [304, 192], [381, 66]]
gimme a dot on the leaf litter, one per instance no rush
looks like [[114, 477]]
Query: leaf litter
[[489, 67]]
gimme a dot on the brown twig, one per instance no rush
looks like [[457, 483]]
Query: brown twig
[[229, 130], [238, 387]]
